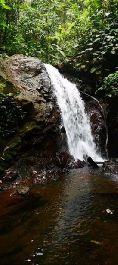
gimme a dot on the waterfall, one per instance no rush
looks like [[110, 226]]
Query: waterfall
[[75, 120]]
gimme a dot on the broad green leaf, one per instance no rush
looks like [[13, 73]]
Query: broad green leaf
[[93, 70]]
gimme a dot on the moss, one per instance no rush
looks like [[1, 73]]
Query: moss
[[7, 88], [12, 148], [28, 126]]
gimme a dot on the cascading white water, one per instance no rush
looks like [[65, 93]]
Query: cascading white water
[[75, 120]]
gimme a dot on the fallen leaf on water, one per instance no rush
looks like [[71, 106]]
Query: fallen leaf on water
[[109, 211]]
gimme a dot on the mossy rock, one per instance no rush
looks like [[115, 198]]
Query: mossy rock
[[28, 127], [28, 111], [7, 88]]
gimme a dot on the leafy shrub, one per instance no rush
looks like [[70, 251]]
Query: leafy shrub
[[109, 86], [83, 32], [97, 51]]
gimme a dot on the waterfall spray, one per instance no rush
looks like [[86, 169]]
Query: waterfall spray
[[75, 120]]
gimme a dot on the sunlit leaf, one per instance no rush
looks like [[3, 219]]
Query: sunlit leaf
[[93, 70]]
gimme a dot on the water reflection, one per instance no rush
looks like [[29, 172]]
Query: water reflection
[[62, 223]]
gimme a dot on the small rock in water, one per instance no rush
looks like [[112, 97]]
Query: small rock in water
[[22, 190], [92, 163]]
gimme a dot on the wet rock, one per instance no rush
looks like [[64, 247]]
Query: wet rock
[[92, 163], [80, 164], [98, 124], [110, 166], [112, 123], [30, 118], [10, 175], [65, 160], [11, 116], [39, 177], [22, 190]]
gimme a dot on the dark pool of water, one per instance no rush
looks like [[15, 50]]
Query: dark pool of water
[[71, 221]]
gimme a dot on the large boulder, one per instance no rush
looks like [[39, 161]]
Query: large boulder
[[29, 120]]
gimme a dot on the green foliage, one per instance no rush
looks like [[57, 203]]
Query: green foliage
[[3, 4], [7, 88], [81, 32], [109, 86], [98, 43]]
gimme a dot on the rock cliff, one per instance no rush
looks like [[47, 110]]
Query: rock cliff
[[29, 120]]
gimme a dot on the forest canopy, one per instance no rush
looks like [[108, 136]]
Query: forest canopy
[[81, 32]]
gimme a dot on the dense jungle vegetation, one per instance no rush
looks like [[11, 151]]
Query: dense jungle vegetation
[[79, 33]]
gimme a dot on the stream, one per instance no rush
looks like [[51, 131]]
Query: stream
[[73, 220]]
